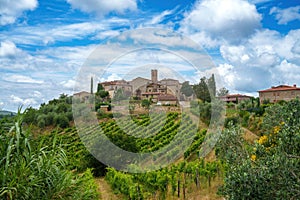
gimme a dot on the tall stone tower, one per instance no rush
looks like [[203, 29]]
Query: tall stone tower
[[154, 75]]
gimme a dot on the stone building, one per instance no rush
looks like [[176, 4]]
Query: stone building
[[83, 96], [113, 86], [278, 93], [143, 88]]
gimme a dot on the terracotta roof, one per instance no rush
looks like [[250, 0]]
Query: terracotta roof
[[166, 97], [280, 88], [81, 93]]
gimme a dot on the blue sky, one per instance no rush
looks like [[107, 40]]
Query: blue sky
[[43, 44]]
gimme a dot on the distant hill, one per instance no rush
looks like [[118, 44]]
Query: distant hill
[[5, 113]]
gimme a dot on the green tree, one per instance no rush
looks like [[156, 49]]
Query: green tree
[[186, 89], [202, 91], [211, 84], [222, 92], [61, 120], [101, 92]]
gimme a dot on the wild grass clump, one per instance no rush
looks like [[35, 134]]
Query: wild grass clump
[[30, 170]]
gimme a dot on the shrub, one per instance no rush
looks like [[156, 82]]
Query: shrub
[[61, 120]]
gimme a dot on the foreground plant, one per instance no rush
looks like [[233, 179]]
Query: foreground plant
[[270, 168], [29, 170]]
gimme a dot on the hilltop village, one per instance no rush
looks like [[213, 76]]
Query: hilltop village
[[170, 92]]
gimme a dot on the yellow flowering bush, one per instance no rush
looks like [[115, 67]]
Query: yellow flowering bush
[[253, 157], [263, 139]]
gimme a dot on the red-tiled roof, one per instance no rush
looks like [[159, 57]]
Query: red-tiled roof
[[81, 93], [280, 88]]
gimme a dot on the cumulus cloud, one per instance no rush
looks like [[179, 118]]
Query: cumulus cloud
[[69, 84], [232, 20], [243, 79], [267, 58], [284, 16], [11, 10], [102, 7], [8, 49], [264, 49], [286, 72], [20, 101]]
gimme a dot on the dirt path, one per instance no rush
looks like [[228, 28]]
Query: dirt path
[[249, 136], [105, 191]]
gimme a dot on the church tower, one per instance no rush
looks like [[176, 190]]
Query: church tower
[[154, 75]]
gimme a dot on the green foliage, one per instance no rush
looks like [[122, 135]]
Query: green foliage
[[146, 103], [222, 92], [198, 140], [202, 110], [156, 184], [231, 120], [61, 121], [270, 168], [30, 170], [231, 145], [211, 84], [202, 91], [58, 112], [186, 89], [206, 89]]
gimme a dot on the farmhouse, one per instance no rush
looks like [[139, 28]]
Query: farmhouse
[[278, 93]]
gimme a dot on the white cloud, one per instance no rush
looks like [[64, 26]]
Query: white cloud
[[267, 58], [20, 101], [284, 16], [46, 34], [37, 94], [232, 20], [102, 7], [8, 49], [69, 84], [107, 34], [11, 10], [264, 49], [21, 79], [227, 75], [287, 73], [111, 77], [160, 17]]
